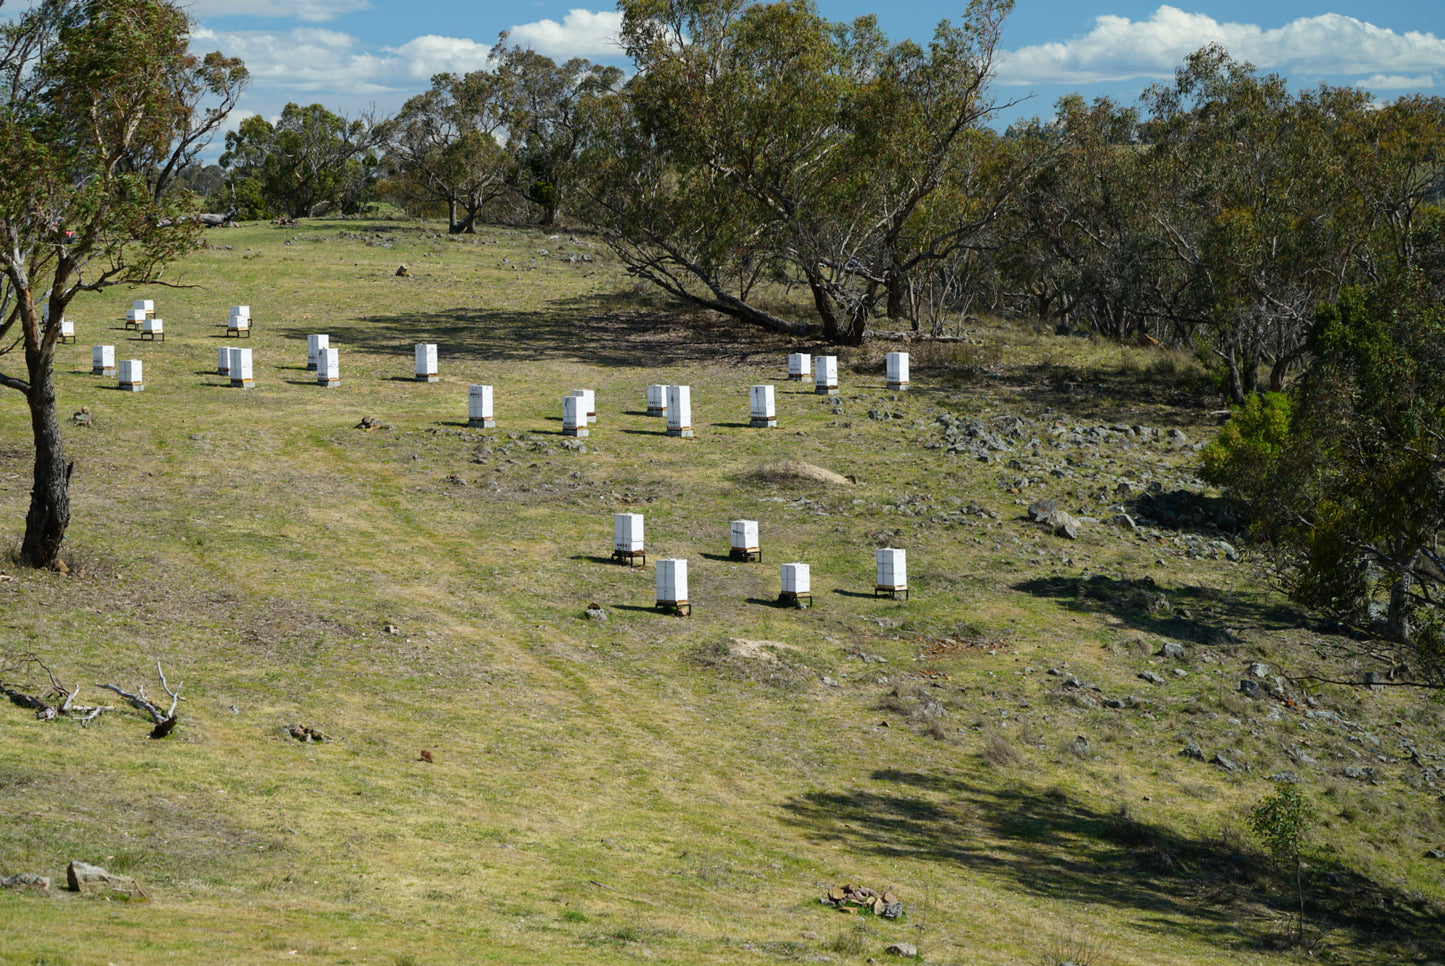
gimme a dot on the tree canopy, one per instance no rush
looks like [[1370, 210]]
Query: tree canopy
[[101, 107]]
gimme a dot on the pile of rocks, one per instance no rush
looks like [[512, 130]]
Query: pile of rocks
[[855, 898]]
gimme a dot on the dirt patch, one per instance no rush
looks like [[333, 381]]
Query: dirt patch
[[796, 471]]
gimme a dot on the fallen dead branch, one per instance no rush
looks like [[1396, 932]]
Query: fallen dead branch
[[55, 702], [165, 721]]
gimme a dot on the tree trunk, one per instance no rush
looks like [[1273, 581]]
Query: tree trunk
[[49, 515], [1398, 623]]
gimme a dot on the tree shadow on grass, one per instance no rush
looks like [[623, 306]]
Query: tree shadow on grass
[[1110, 393], [1048, 844], [1200, 614], [585, 329]]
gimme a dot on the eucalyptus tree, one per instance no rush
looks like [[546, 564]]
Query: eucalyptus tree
[[1254, 206], [310, 157], [99, 99], [761, 146], [445, 146]]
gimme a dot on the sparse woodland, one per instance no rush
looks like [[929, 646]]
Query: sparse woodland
[[1170, 476]]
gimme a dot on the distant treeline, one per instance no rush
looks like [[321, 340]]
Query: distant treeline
[[811, 176]]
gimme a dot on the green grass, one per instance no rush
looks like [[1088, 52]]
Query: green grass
[[603, 792]]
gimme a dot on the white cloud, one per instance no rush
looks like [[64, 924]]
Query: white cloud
[[1118, 49], [582, 33], [310, 11], [424, 56], [1396, 82]]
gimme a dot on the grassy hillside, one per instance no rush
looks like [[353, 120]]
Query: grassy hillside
[[644, 787]]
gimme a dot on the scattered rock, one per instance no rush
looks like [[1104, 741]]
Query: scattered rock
[[369, 423], [595, 612], [1250, 688], [82, 418], [906, 950], [91, 879], [1359, 774], [1062, 524], [1435, 854], [307, 734], [1080, 747], [1039, 510], [1172, 649], [1192, 750], [1151, 677], [1228, 764], [26, 880], [855, 898], [1258, 670]]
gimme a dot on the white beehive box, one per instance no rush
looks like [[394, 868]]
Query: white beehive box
[[892, 571], [146, 307], [574, 416], [744, 540], [800, 366], [132, 375], [67, 330], [825, 376], [240, 369], [426, 362], [897, 370], [153, 327], [102, 360], [237, 324], [672, 583], [328, 368], [627, 533], [797, 580], [134, 318], [589, 402], [242, 310], [679, 411], [657, 400], [764, 412], [314, 345], [479, 407]]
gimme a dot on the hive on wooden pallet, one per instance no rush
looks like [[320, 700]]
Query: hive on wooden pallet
[[627, 543], [574, 416], [67, 330], [892, 573], [314, 345], [240, 369], [657, 400], [328, 368], [132, 375], [145, 306], [825, 376], [797, 584], [764, 412], [800, 366], [897, 370], [102, 360], [153, 327], [238, 325], [134, 318], [223, 361], [589, 403], [745, 541], [426, 362], [479, 407], [679, 411], [672, 587]]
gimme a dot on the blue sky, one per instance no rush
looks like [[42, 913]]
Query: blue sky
[[354, 55]]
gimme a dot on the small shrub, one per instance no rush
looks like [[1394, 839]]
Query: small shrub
[[998, 750]]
